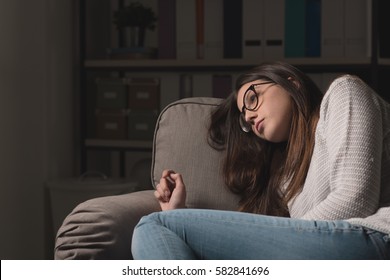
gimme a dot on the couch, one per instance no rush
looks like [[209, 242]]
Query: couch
[[102, 228]]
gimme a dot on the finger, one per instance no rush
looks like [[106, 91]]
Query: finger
[[166, 172], [167, 180], [161, 197], [158, 196], [164, 189], [171, 181], [178, 179], [160, 200], [159, 190], [176, 176]]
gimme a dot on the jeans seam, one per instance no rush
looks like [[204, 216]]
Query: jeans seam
[[377, 239], [352, 228]]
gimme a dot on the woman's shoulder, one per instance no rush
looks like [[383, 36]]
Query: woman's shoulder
[[349, 97], [346, 85], [349, 90]]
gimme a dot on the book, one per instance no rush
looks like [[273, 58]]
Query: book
[[169, 87], [213, 34], [295, 28], [232, 29], [383, 23], [313, 28], [357, 27], [202, 85], [185, 90], [186, 29], [274, 29], [199, 29], [114, 34], [166, 24], [221, 85], [253, 29], [332, 28]]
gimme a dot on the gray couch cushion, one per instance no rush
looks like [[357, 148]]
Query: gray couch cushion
[[102, 228], [180, 144]]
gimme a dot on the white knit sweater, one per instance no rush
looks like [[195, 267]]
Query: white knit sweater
[[349, 174]]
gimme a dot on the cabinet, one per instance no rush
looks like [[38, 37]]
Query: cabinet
[[96, 34]]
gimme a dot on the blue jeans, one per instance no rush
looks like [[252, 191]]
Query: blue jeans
[[214, 234]]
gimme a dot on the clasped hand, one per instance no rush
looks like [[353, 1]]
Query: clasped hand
[[171, 191]]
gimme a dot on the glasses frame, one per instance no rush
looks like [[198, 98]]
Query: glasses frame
[[244, 125]]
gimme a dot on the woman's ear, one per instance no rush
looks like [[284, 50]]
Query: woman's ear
[[294, 82]]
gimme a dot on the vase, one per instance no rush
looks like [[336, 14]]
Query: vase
[[134, 36]]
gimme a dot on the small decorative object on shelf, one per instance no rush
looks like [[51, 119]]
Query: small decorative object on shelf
[[132, 21]]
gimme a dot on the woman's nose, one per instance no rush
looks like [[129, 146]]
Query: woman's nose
[[250, 116]]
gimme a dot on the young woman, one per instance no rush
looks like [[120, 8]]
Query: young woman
[[313, 173]]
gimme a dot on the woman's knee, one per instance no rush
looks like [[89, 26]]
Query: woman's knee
[[151, 219]]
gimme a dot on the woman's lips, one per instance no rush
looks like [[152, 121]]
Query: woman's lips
[[259, 126]]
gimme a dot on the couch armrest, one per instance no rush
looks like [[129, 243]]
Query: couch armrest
[[102, 228]]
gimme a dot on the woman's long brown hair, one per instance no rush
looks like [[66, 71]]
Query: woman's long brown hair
[[248, 159]]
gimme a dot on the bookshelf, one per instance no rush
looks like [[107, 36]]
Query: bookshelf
[[92, 47], [233, 64]]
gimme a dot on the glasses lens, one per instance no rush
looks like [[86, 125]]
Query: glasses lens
[[245, 126], [251, 99]]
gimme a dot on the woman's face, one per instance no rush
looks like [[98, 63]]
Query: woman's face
[[271, 118]]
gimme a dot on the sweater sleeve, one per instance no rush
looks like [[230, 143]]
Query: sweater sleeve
[[352, 129]]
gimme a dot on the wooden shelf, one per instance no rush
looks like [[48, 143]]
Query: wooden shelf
[[119, 144], [173, 64], [384, 61]]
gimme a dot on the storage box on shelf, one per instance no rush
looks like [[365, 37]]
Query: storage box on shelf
[[127, 108], [141, 124], [111, 93], [111, 123], [144, 93]]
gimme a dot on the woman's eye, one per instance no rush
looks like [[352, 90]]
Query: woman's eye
[[252, 98]]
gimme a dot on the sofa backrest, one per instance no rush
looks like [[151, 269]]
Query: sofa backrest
[[180, 143]]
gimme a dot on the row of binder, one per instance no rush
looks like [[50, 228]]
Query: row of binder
[[263, 29]]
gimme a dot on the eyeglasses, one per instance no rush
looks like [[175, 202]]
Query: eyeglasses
[[250, 103]]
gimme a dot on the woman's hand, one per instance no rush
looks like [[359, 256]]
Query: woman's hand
[[171, 191]]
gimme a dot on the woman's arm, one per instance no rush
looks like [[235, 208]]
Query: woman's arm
[[352, 131]]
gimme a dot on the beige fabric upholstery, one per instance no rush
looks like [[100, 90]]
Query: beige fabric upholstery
[[102, 228]]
